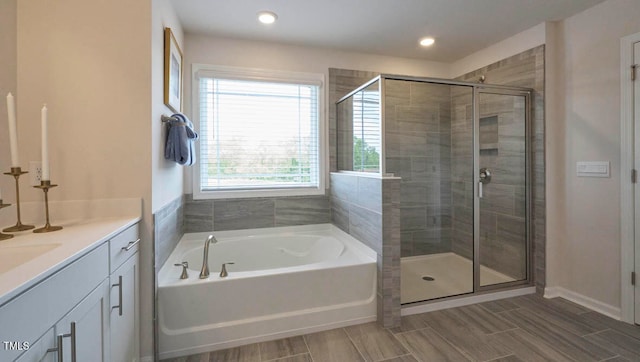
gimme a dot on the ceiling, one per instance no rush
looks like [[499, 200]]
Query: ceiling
[[384, 27]]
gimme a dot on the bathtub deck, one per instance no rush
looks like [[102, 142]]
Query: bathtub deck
[[268, 293], [515, 329]]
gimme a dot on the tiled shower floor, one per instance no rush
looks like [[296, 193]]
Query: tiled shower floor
[[452, 275]]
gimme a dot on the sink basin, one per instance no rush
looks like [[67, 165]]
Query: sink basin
[[14, 256]]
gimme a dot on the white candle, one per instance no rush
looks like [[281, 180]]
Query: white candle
[[45, 145], [13, 134]]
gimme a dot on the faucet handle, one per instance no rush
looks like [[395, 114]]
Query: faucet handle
[[184, 265], [223, 271]]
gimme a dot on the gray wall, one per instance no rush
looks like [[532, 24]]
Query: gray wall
[[462, 171], [167, 230], [368, 208], [185, 215], [503, 207], [232, 214], [418, 149], [527, 70]]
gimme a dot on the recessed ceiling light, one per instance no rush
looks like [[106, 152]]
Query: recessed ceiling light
[[425, 42], [267, 17]]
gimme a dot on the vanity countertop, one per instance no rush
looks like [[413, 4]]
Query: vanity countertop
[[28, 258]]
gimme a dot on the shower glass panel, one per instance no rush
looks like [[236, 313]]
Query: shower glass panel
[[460, 150], [359, 131], [428, 143], [503, 175]]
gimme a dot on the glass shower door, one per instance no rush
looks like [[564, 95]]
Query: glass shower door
[[502, 244]]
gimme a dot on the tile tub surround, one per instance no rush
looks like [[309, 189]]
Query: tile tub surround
[[368, 208], [167, 230], [236, 214], [526, 328]]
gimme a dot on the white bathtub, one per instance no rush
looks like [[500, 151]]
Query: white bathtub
[[285, 281]]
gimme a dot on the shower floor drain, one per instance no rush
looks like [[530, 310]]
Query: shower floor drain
[[428, 278]]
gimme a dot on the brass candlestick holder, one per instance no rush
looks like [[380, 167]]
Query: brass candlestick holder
[[45, 186], [4, 236], [16, 172]]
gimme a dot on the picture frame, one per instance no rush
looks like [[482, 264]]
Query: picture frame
[[172, 72]]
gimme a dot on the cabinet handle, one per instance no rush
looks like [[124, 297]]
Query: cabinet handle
[[73, 344], [73, 341], [58, 349], [119, 285], [130, 245]]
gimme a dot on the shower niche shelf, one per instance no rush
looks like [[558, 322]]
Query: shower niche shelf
[[489, 135]]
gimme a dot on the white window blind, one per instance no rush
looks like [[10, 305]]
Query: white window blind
[[366, 131], [258, 134]]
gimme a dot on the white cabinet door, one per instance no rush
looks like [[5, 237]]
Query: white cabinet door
[[124, 316], [86, 328], [39, 351]]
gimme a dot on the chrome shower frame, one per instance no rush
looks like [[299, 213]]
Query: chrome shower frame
[[477, 89]]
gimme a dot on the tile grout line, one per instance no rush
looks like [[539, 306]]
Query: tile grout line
[[287, 357], [611, 358], [464, 353], [506, 330], [402, 355], [497, 358], [304, 338], [404, 345], [354, 344], [596, 332]]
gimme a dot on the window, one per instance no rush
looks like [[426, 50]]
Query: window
[[260, 133], [366, 130]]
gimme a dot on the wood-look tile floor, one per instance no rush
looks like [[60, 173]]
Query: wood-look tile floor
[[527, 328]]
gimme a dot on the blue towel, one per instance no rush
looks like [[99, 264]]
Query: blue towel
[[180, 138]]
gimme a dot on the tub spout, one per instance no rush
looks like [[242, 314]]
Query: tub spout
[[204, 272]]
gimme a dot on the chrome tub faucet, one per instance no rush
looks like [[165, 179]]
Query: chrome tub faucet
[[204, 272]]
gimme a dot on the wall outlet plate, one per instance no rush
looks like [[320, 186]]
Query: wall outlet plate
[[35, 173]]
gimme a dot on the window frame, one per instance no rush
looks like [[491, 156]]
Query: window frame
[[267, 75]]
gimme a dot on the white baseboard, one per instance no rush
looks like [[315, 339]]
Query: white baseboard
[[594, 305], [452, 303]]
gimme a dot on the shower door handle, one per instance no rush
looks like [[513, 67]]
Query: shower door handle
[[485, 175], [485, 178]]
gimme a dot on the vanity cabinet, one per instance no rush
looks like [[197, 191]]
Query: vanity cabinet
[[79, 309], [85, 329], [124, 314], [38, 351]]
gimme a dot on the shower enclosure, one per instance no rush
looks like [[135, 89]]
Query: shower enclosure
[[463, 155]]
